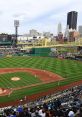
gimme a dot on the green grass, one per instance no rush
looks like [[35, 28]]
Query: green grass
[[26, 79], [69, 69]]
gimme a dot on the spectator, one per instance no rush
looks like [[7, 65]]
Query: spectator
[[71, 113]]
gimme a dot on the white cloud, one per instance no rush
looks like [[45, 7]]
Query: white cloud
[[29, 13], [31, 8]]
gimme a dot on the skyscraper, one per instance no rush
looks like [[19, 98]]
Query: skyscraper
[[72, 20], [80, 30], [59, 28], [67, 32]]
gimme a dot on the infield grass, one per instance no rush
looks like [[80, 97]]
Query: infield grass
[[26, 79]]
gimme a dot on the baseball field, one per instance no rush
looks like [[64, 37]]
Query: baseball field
[[26, 76]]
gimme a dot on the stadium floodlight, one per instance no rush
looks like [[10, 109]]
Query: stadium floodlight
[[16, 25]]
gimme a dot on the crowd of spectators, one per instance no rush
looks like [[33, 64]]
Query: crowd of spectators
[[4, 51], [67, 103]]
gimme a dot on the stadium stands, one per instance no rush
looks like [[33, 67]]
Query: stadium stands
[[62, 104]]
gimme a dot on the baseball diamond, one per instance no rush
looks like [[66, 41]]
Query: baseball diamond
[[29, 76]]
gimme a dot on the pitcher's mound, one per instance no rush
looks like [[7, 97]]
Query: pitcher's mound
[[15, 78]]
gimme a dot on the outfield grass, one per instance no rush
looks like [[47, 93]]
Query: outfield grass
[[69, 69]]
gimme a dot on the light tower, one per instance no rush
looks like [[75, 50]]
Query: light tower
[[16, 25]]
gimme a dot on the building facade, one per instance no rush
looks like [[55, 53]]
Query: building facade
[[80, 31], [59, 28], [5, 40], [72, 20], [33, 33]]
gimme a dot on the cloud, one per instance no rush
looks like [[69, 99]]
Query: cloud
[[40, 14]]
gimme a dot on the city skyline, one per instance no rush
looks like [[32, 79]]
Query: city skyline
[[42, 15]]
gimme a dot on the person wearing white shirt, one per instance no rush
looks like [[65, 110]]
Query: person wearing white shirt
[[71, 114]]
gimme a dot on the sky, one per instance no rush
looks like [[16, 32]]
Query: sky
[[42, 15]]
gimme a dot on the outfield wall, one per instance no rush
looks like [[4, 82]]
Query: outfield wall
[[51, 51], [45, 52], [40, 51]]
